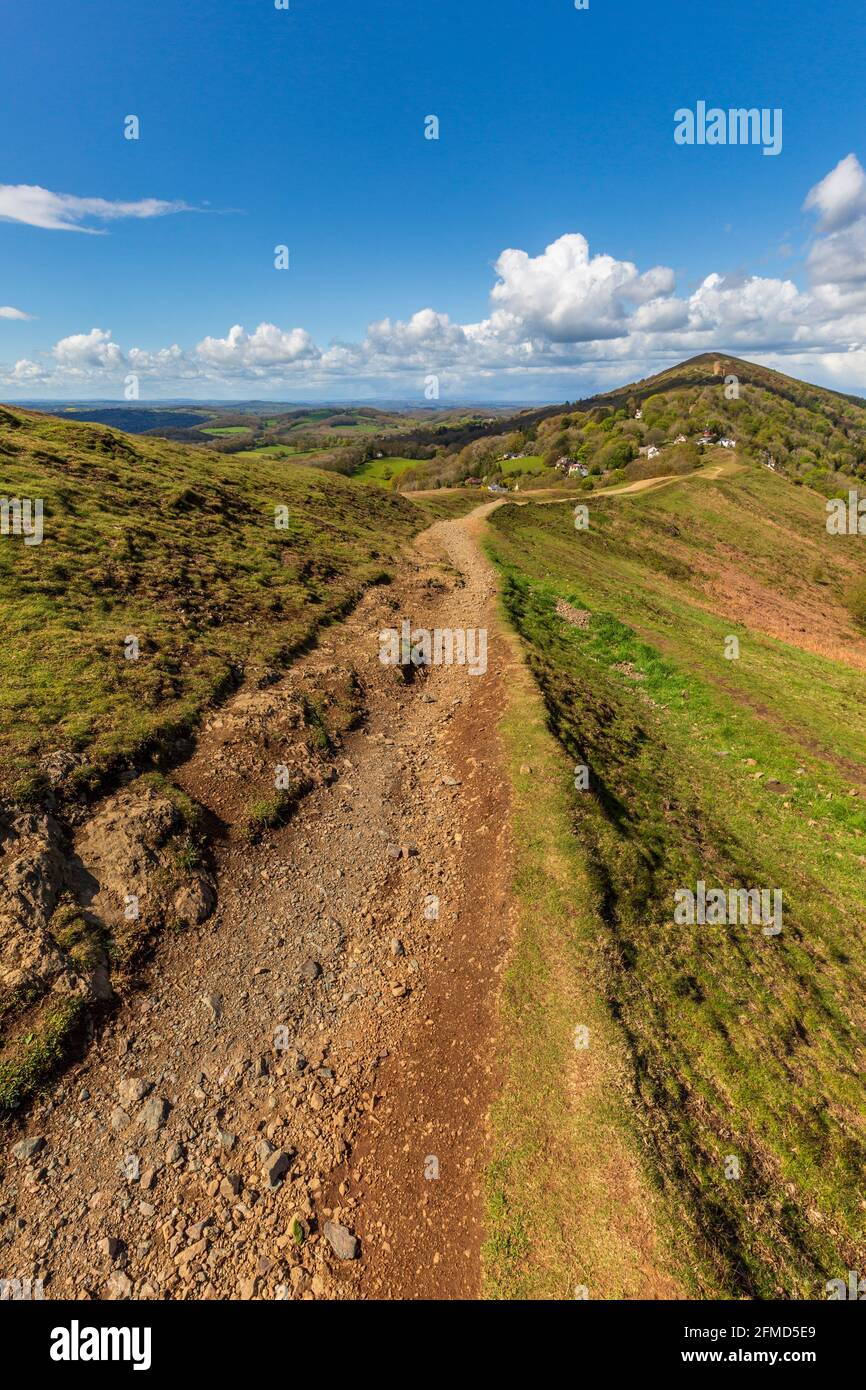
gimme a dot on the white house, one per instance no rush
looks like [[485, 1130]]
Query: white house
[[650, 451], [638, 415], [728, 443], [579, 468], [680, 439]]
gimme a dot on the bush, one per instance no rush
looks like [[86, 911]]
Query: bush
[[855, 601]]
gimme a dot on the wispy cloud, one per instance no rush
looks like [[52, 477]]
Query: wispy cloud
[[64, 212], [7, 312]]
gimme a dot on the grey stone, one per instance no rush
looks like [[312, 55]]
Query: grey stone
[[153, 1115], [214, 1005], [26, 1149], [132, 1089], [341, 1240], [276, 1167]]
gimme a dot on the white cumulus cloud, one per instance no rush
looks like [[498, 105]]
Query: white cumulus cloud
[[267, 348], [569, 319], [840, 197], [568, 295]]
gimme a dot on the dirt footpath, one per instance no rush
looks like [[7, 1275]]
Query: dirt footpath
[[294, 1105]]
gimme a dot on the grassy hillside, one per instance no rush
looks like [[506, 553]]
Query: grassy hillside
[[179, 549], [807, 433], [746, 1049]]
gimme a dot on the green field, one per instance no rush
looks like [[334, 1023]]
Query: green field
[[747, 1050], [277, 451], [531, 464], [221, 430], [383, 470]]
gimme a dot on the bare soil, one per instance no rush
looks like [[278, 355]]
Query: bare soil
[[339, 1007]]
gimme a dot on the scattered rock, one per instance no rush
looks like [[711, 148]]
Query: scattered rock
[[119, 1285], [577, 617], [130, 1166], [132, 1089], [213, 1006], [341, 1240], [153, 1115], [276, 1167], [26, 1149], [195, 902]]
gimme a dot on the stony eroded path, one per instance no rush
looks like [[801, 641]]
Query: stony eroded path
[[295, 1105]]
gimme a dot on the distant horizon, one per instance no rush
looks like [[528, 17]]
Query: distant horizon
[[393, 403]]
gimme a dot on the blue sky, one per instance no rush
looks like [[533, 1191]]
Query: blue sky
[[306, 127]]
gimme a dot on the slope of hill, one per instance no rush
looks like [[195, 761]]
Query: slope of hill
[[212, 566], [700, 650], [739, 764], [155, 579], [806, 432]]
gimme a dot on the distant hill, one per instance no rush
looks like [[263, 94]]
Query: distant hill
[[807, 433]]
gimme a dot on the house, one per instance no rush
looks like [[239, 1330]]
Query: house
[[638, 415], [728, 443], [681, 439], [649, 451], [471, 482], [577, 468], [705, 438], [495, 487]]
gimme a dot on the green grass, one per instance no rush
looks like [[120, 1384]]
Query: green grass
[[561, 1112], [178, 548], [36, 1057], [741, 1045], [269, 812], [533, 463], [383, 470], [277, 451]]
